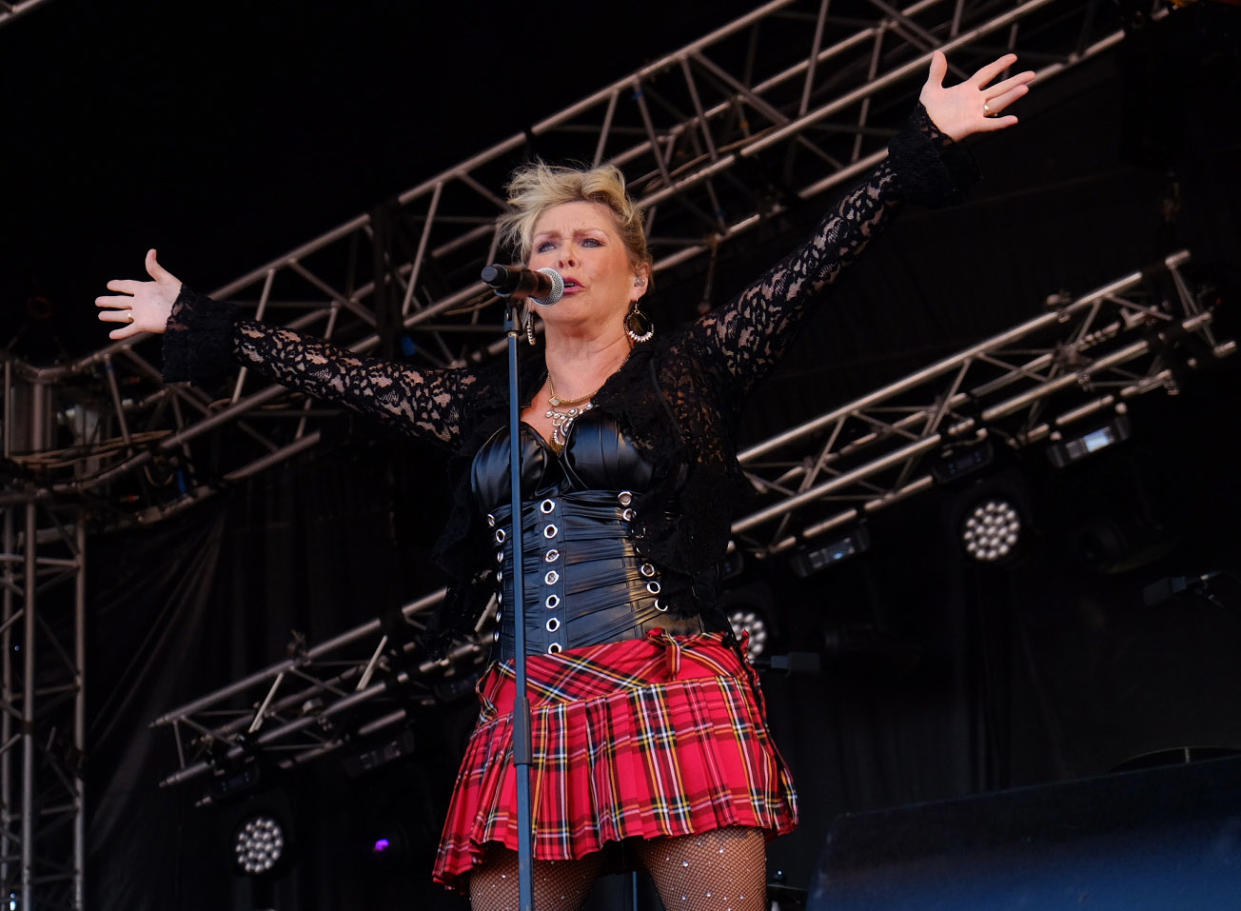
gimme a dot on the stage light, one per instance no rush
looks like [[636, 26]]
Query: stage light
[[380, 754], [1063, 452], [231, 781], [961, 460], [812, 559], [259, 844], [386, 845], [992, 530], [748, 619]]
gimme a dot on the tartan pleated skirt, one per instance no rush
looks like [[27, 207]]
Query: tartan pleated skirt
[[658, 736]]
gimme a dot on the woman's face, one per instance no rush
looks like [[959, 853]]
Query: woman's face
[[581, 242]]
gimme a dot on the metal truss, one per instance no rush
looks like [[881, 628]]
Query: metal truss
[[1053, 375], [339, 692], [781, 105], [1043, 380], [11, 9], [42, 707]]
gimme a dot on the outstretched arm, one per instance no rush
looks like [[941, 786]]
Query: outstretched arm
[[746, 337], [201, 335]]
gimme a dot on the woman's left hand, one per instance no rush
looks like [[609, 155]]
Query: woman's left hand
[[972, 106]]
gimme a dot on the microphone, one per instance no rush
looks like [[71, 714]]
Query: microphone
[[544, 286]]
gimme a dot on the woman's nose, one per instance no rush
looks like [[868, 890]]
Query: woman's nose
[[566, 257]]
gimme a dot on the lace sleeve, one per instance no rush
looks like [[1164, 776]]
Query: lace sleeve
[[746, 337], [204, 336]]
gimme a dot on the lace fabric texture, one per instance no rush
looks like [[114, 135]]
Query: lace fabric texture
[[679, 396]]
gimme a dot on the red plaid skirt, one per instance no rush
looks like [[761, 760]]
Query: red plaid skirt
[[642, 738]]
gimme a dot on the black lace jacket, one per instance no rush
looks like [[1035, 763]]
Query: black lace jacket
[[679, 395]]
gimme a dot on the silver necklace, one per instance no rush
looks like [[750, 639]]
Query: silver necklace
[[563, 412]]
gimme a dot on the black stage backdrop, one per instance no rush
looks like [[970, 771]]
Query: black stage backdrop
[[940, 678]]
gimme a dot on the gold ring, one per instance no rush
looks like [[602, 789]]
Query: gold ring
[[129, 316], [986, 109]]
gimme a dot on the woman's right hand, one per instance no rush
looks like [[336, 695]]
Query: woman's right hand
[[141, 306]]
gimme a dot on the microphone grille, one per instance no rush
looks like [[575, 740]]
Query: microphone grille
[[557, 291]]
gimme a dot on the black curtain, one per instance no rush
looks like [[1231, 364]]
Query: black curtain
[[182, 609]]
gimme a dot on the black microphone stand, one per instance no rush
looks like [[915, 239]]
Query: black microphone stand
[[522, 747], [510, 284]]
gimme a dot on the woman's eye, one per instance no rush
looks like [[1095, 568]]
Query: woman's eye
[[591, 242], [543, 246]]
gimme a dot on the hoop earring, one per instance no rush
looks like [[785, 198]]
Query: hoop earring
[[530, 325], [638, 325]]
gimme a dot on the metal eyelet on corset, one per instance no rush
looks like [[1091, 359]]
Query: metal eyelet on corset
[[499, 556], [659, 605], [499, 575], [501, 534], [550, 531], [627, 515], [552, 625], [491, 520], [551, 556], [555, 648], [547, 506], [624, 498], [495, 636], [552, 577], [647, 570], [552, 602], [653, 587]]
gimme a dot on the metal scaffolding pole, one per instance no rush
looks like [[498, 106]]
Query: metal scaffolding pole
[[11, 9], [8, 843], [79, 718], [42, 695], [29, 618]]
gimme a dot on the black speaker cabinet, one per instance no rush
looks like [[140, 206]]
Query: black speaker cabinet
[[1165, 838]]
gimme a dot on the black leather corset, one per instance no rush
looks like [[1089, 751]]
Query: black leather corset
[[584, 582], [597, 456]]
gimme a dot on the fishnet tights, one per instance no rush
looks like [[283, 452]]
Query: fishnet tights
[[559, 885], [723, 870]]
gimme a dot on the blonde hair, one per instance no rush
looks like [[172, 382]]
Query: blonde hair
[[536, 187]]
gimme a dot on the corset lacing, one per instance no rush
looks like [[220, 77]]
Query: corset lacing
[[584, 581]]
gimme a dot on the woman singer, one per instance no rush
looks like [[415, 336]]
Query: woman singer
[[650, 742]]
